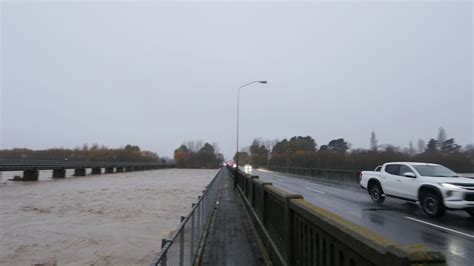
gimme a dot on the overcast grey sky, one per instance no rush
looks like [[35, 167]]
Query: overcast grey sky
[[156, 74]]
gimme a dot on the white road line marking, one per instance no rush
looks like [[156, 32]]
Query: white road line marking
[[315, 190], [442, 227]]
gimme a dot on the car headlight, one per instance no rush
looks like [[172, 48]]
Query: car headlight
[[450, 186]]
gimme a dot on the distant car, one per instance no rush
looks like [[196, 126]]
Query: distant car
[[435, 187], [247, 168], [231, 164]]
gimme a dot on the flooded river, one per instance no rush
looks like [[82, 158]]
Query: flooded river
[[113, 219]]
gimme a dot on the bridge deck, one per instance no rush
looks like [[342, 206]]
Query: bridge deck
[[231, 240]]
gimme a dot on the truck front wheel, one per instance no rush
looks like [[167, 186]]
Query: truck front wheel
[[432, 204], [376, 194]]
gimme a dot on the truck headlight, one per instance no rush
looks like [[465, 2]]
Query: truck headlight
[[451, 186]]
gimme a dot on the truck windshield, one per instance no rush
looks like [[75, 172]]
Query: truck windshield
[[435, 170]]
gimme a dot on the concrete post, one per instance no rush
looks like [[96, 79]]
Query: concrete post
[[251, 193], [236, 177], [96, 171], [80, 172], [59, 173], [288, 222], [30, 175], [264, 202], [109, 170]]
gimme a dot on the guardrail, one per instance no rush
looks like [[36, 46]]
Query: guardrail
[[21, 165], [296, 232], [348, 176], [185, 244]]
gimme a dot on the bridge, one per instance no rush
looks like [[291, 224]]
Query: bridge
[[250, 219], [290, 216], [31, 168]]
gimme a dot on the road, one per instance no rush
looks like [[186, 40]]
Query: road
[[402, 222]]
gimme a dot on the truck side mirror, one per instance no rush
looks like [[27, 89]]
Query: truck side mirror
[[409, 174]]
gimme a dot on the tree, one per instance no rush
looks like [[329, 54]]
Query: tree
[[411, 149], [338, 145], [194, 146], [258, 153], [432, 146], [421, 146], [441, 135], [281, 147], [269, 144], [449, 147], [324, 148], [243, 158], [86, 153], [206, 157], [301, 144], [297, 151], [391, 149], [373, 142], [181, 156]]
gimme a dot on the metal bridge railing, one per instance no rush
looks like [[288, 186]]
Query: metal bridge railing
[[24, 164], [182, 248]]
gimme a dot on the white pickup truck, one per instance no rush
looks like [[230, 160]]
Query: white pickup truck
[[434, 186]]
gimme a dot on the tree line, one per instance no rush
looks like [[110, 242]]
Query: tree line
[[198, 155], [302, 151], [84, 153]]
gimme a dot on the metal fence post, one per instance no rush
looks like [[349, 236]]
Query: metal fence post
[[199, 216], [203, 206], [192, 236], [236, 175], [181, 244], [164, 259]]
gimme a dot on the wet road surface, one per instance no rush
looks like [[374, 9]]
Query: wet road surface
[[402, 222]]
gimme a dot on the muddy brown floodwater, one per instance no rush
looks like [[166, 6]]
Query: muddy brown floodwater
[[114, 219]]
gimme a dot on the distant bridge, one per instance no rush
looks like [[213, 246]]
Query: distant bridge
[[31, 168]]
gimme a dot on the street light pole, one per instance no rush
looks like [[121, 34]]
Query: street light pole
[[238, 117]]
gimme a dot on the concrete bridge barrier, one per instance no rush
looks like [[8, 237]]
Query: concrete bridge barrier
[[296, 232], [346, 176]]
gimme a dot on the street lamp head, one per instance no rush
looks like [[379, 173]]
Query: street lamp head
[[263, 81]]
